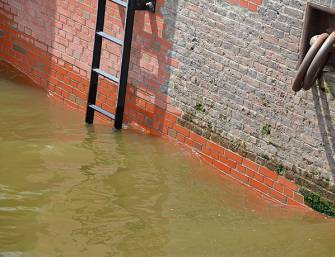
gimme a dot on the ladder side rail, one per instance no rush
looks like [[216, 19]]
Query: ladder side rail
[[92, 93], [128, 35]]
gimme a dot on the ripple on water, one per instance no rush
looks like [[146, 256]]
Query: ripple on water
[[71, 190]]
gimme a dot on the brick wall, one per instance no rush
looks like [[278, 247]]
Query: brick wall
[[234, 82], [213, 75]]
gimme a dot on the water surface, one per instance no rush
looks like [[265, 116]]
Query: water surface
[[72, 191]]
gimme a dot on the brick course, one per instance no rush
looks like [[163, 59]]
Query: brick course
[[215, 76]]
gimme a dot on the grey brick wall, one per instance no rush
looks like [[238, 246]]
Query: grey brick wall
[[234, 85]]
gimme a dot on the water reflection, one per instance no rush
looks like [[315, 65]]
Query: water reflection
[[106, 203]]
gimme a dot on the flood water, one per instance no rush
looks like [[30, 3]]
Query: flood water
[[72, 191]]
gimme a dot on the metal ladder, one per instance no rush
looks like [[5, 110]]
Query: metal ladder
[[131, 6]]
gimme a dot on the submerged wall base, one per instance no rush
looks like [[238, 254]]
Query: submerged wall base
[[54, 66]]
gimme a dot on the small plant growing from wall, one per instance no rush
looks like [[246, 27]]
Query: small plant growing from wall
[[280, 169], [327, 85], [237, 145], [199, 107], [266, 129]]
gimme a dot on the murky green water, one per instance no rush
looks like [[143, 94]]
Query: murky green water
[[67, 190]]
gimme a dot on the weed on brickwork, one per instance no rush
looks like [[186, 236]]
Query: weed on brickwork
[[325, 87], [199, 107], [280, 169], [318, 203], [266, 129], [273, 164], [237, 145]]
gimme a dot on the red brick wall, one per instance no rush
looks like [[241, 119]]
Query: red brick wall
[[251, 5], [52, 44]]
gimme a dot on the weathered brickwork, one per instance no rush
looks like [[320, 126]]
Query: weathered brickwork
[[234, 81], [201, 72]]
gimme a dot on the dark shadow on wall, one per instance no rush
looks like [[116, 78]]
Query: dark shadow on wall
[[152, 38], [46, 57], [149, 74], [326, 126], [27, 32]]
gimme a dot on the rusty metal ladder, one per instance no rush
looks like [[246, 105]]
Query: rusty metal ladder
[[131, 6]]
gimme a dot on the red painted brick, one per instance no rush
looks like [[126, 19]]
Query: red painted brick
[[278, 186], [288, 192], [221, 166], [249, 164], [233, 156], [268, 173], [197, 146], [258, 185], [171, 117], [180, 138], [215, 155], [206, 158], [241, 177], [252, 7], [215, 147], [229, 163], [181, 130], [199, 139], [268, 181], [256, 2], [250, 173], [189, 142], [243, 3], [287, 183], [292, 202], [298, 198], [240, 168], [259, 177], [275, 194], [206, 151], [173, 62]]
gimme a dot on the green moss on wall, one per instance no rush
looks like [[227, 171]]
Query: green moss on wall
[[322, 201], [199, 107], [318, 203]]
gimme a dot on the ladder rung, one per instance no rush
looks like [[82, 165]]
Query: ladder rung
[[107, 75], [119, 2], [102, 111], [110, 38]]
